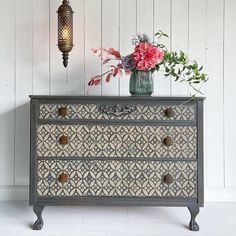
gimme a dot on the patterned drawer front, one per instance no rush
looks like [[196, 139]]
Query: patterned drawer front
[[116, 141], [117, 112], [116, 179]]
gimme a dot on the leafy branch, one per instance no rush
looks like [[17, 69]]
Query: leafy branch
[[160, 34], [180, 67]]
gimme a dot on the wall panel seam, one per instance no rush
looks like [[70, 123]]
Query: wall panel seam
[[14, 142], [101, 4], [67, 79], [49, 46], [206, 65], [32, 45], [223, 64], [136, 24], [171, 41], [188, 50], [85, 82], [153, 20], [119, 42]]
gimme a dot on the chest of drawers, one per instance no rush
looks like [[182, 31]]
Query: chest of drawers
[[142, 151]]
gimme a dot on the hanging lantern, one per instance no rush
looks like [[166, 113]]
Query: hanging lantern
[[65, 30]]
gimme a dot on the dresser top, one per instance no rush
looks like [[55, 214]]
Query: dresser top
[[131, 98]]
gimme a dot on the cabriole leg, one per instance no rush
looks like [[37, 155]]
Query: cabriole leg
[[38, 225], [194, 210]]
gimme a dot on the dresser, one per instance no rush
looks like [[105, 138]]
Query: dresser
[[140, 151]]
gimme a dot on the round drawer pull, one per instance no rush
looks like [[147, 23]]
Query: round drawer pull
[[62, 111], [168, 179], [169, 112], [63, 178], [168, 141], [63, 140]]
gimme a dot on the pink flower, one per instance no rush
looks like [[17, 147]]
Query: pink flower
[[147, 56]]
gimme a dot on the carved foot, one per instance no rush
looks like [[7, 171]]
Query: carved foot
[[194, 210], [193, 226], [38, 225]]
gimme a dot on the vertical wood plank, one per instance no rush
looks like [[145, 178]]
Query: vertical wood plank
[[41, 66], [58, 73], [110, 39], [214, 92], [76, 81], [197, 35], [180, 34], [92, 40], [162, 21], [197, 41], [23, 46], [127, 30], [145, 17], [229, 93], [7, 93]]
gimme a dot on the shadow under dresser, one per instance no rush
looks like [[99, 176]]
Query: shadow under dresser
[[141, 151]]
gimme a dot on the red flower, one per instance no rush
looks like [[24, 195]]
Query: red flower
[[147, 56]]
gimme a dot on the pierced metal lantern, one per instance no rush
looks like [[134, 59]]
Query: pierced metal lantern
[[65, 30]]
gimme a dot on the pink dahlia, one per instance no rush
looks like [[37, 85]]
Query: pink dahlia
[[147, 56]]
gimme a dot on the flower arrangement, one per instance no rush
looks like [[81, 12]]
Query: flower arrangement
[[150, 56]]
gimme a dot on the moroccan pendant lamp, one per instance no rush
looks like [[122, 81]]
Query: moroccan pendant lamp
[[65, 30]]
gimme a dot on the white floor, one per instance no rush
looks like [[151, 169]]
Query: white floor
[[216, 219]]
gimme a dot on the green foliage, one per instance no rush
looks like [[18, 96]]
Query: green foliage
[[160, 34], [179, 67]]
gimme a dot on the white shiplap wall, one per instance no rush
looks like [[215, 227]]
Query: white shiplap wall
[[30, 63]]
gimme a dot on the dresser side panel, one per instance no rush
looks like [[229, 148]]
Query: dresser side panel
[[33, 124], [200, 151]]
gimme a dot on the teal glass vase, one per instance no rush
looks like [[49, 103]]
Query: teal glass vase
[[141, 83]]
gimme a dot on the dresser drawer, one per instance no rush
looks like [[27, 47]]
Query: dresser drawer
[[61, 178], [120, 111], [135, 141]]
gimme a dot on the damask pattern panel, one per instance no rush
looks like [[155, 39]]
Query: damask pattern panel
[[136, 141], [117, 112], [116, 179]]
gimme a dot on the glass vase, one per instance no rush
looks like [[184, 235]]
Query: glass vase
[[141, 83]]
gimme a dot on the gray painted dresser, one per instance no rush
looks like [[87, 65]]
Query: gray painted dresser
[[142, 151]]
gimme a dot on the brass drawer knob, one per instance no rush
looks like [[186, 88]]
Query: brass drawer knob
[[63, 140], [169, 112], [62, 111], [168, 141], [168, 179], [63, 178]]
